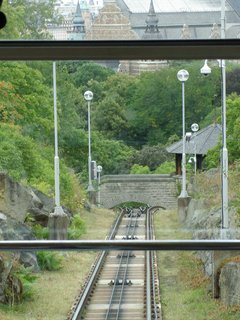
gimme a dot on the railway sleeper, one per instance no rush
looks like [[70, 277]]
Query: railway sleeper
[[132, 225], [120, 282], [129, 237], [126, 255]]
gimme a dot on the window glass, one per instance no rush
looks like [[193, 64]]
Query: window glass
[[121, 19], [109, 134]]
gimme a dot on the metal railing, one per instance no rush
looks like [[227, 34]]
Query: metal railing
[[121, 245]]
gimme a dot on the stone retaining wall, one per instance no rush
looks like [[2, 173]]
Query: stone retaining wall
[[155, 190]]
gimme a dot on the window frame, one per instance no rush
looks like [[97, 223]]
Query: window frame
[[120, 50]]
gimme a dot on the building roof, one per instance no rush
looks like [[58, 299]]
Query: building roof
[[78, 18], [198, 15], [235, 4], [142, 6], [152, 29], [200, 142]]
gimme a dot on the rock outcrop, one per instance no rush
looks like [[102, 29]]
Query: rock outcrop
[[17, 201], [204, 224]]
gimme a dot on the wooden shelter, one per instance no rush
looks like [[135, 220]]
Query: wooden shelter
[[198, 144]]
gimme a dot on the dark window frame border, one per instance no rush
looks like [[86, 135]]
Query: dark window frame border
[[120, 50]]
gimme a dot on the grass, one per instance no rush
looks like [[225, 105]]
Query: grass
[[54, 292], [183, 285]]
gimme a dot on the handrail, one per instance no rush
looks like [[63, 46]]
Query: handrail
[[170, 245]]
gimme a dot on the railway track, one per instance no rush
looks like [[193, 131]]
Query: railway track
[[123, 284]]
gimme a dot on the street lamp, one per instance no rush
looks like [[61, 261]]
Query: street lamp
[[224, 155], [183, 76], [99, 170], [88, 96], [58, 209], [195, 128], [58, 220]]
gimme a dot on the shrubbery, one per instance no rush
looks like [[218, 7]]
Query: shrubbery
[[165, 168], [138, 169], [48, 260]]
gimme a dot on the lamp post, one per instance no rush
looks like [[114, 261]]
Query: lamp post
[[183, 76], [195, 128], [88, 96], [58, 208], [224, 152], [224, 131], [99, 170], [58, 220]]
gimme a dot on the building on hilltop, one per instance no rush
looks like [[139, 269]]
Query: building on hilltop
[[195, 17], [152, 32], [111, 24], [78, 25], [68, 11], [175, 19]]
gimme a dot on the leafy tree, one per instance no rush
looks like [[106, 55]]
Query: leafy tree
[[71, 108], [156, 106], [152, 156], [34, 98], [110, 117], [11, 104], [90, 71], [233, 129], [28, 19], [233, 80], [233, 126], [114, 156]]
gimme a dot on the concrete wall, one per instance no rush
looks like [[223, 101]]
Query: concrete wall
[[155, 190]]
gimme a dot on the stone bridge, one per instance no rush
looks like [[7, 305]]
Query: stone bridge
[[152, 189]]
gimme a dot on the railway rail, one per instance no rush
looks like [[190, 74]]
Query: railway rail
[[123, 284]]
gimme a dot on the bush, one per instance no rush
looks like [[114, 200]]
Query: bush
[[138, 169], [50, 261], [40, 232], [166, 167], [76, 228], [27, 279]]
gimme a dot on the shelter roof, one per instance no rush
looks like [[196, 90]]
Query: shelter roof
[[200, 142]]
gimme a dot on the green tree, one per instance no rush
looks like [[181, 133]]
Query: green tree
[[152, 156], [156, 106], [233, 80], [28, 19], [233, 126], [90, 71], [110, 118], [233, 129], [110, 114], [11, 105], [35, 102]]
